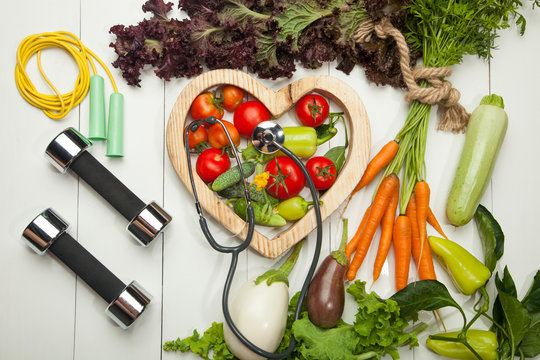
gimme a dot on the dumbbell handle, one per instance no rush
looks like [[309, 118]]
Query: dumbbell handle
[[107, 185], [87, 267]]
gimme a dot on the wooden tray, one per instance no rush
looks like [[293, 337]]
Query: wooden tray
[[277, 103]]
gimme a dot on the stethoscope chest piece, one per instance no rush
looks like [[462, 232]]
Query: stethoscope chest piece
[[267, 137]]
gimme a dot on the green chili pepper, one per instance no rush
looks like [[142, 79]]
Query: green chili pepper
[[482, 341], [294, 208], [467, 271]]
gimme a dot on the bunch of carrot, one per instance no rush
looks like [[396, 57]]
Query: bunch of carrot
[[407, 232]]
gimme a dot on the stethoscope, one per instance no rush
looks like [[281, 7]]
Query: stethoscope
[[268, 137]]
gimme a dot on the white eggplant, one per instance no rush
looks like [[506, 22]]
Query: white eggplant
[[260, 309]]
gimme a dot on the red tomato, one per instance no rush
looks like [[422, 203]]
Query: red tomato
[[322, 171], [212, 163], [197, 137], [286, 179], [248, 115], [205, 105], [232, 97], [312, 110], [217, 137]]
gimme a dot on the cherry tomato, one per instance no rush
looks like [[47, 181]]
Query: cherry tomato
[[197, 137], [286, 179], [248, 115], [217, 137], [212, 163], [205, 105], [312, 110], [232, 97], [322, 171]]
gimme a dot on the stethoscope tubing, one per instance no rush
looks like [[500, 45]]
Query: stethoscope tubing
[[236, 250]]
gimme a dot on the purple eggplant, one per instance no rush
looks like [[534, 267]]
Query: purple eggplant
[[325, 298]]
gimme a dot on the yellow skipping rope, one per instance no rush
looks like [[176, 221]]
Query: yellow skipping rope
[[56, 106]]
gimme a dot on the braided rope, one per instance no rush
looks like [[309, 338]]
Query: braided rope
[[453, 116]]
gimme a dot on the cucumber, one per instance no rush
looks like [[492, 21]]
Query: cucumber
[[233, 176], [485, 135], [237, 191]]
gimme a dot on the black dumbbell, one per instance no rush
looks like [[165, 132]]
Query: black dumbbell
[[67, 151], [47, 233]]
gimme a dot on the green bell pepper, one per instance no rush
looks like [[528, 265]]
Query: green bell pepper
[[301, 140], [484, 342], [468, 272]]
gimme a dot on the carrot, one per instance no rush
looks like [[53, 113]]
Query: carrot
[[353, 243], [402, 250], [421, 191], [424, 261], [378, 207], [379, 161], [387, 226], [432, 220]]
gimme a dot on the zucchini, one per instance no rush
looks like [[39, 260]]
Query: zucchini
[[485, 134], [233, 176]]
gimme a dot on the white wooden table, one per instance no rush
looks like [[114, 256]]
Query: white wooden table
[[46, 312]]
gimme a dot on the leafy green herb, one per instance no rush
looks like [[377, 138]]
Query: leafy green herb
[[532, 299], [516, 319], [212, 343], [378, 329], [424, 295], [530, 345], [491, 235], [337, 155]]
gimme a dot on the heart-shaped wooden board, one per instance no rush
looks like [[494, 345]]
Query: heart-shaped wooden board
[[277, 103]]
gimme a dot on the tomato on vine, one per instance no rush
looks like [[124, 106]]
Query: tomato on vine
[[232, 97], [217, 137], [312, 110], [206, 105], [322, 171], [286, 178], [212, 163]]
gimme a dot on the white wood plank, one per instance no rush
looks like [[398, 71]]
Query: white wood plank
[[515, 77], [39, 292], [101, 227]]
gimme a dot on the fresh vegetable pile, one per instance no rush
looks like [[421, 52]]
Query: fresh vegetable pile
[[381, 326], [446, 32], [266, 37], [275, 180]]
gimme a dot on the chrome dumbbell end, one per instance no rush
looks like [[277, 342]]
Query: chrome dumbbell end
[[129, 305], [149, 223], [65, 148], [44, 230]]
